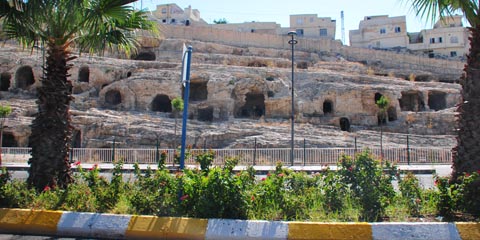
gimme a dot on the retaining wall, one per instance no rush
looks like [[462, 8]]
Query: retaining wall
[[246, 39]]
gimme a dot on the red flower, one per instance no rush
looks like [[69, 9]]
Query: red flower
[[436, 182], [478, 171], [350, 169], [263, 179], [253, 198], [95, 166], [281, 175], [268, 174], [76, 163], [46, 189], [182, 198], [467, 174]]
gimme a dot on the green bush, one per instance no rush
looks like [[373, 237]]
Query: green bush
[[411, 193], [360, 190], [154, 194], [370, 186]]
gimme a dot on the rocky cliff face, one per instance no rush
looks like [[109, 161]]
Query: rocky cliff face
[[237, 95]]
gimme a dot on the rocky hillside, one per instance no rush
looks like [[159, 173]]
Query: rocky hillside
[[237, 95]]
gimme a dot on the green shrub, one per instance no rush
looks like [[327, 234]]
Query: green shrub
[[370, 186], [154, 194], [411, 193], [216, 194], [205, 160], [446, 203], [334, 191]]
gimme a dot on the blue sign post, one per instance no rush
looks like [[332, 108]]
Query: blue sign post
[[187, 55]]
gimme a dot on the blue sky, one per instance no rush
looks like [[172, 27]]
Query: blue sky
[[279, 11]]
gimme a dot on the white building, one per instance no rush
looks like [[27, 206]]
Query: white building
[[312, 26], [448, 38], [380, 32], [172, 14]]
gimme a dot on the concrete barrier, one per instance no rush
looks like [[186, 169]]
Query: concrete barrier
[[113, 226]]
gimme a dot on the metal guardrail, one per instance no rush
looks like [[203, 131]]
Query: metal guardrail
[[259, 156]]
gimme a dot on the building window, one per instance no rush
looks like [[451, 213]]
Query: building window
[[164, 20], [252, 30], [299, 21], [323, 32], [311, 19], [432, 40], [453, 54], [164, 10], [173, 20], [383, 31], [440, 39], [454, 39], [398, 29], [299, 32]]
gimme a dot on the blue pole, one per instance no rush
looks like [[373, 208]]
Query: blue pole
[[185, 108]]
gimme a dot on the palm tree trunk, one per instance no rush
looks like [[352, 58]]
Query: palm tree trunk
[[466, 155], [51, 128]]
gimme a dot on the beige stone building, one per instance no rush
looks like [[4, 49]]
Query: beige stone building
[[312, 26], [172, 14], [380, 32], [448, 38]]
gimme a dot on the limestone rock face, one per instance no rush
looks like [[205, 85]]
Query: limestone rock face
[[236, 95]]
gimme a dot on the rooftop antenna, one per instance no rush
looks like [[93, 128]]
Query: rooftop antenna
[[343, 26]]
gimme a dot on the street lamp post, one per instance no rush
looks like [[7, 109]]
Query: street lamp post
[[292, 42]]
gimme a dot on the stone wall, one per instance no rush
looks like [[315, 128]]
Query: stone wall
[[388, 59]]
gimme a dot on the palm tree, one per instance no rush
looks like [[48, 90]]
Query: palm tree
[[4, 112], [466, 155], [58, 25], [177, 106], [382, 105]]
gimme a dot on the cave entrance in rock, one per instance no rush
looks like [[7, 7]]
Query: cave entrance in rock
[[113, 97], [161, 103], [77, 139], [84, 74], [205, 114], [327, 107], [146, 56], [377, 97], [392, 114], [254, 106], [24, 77], [5, 78], [198, 91], [412, 101], [345, 124], [9, 140], [437, 100]]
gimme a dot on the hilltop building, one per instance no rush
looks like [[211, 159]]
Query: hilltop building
[[380, 32], [312, 26], [172, 14], [448, 38]]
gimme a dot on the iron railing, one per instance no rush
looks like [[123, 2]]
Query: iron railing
[[259, 156]]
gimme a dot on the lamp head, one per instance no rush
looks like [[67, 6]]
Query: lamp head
[[292, 33]]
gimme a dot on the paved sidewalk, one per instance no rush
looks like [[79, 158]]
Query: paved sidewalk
[[441, 170]]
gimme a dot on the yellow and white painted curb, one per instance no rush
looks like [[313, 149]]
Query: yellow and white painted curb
[[116, 226]]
